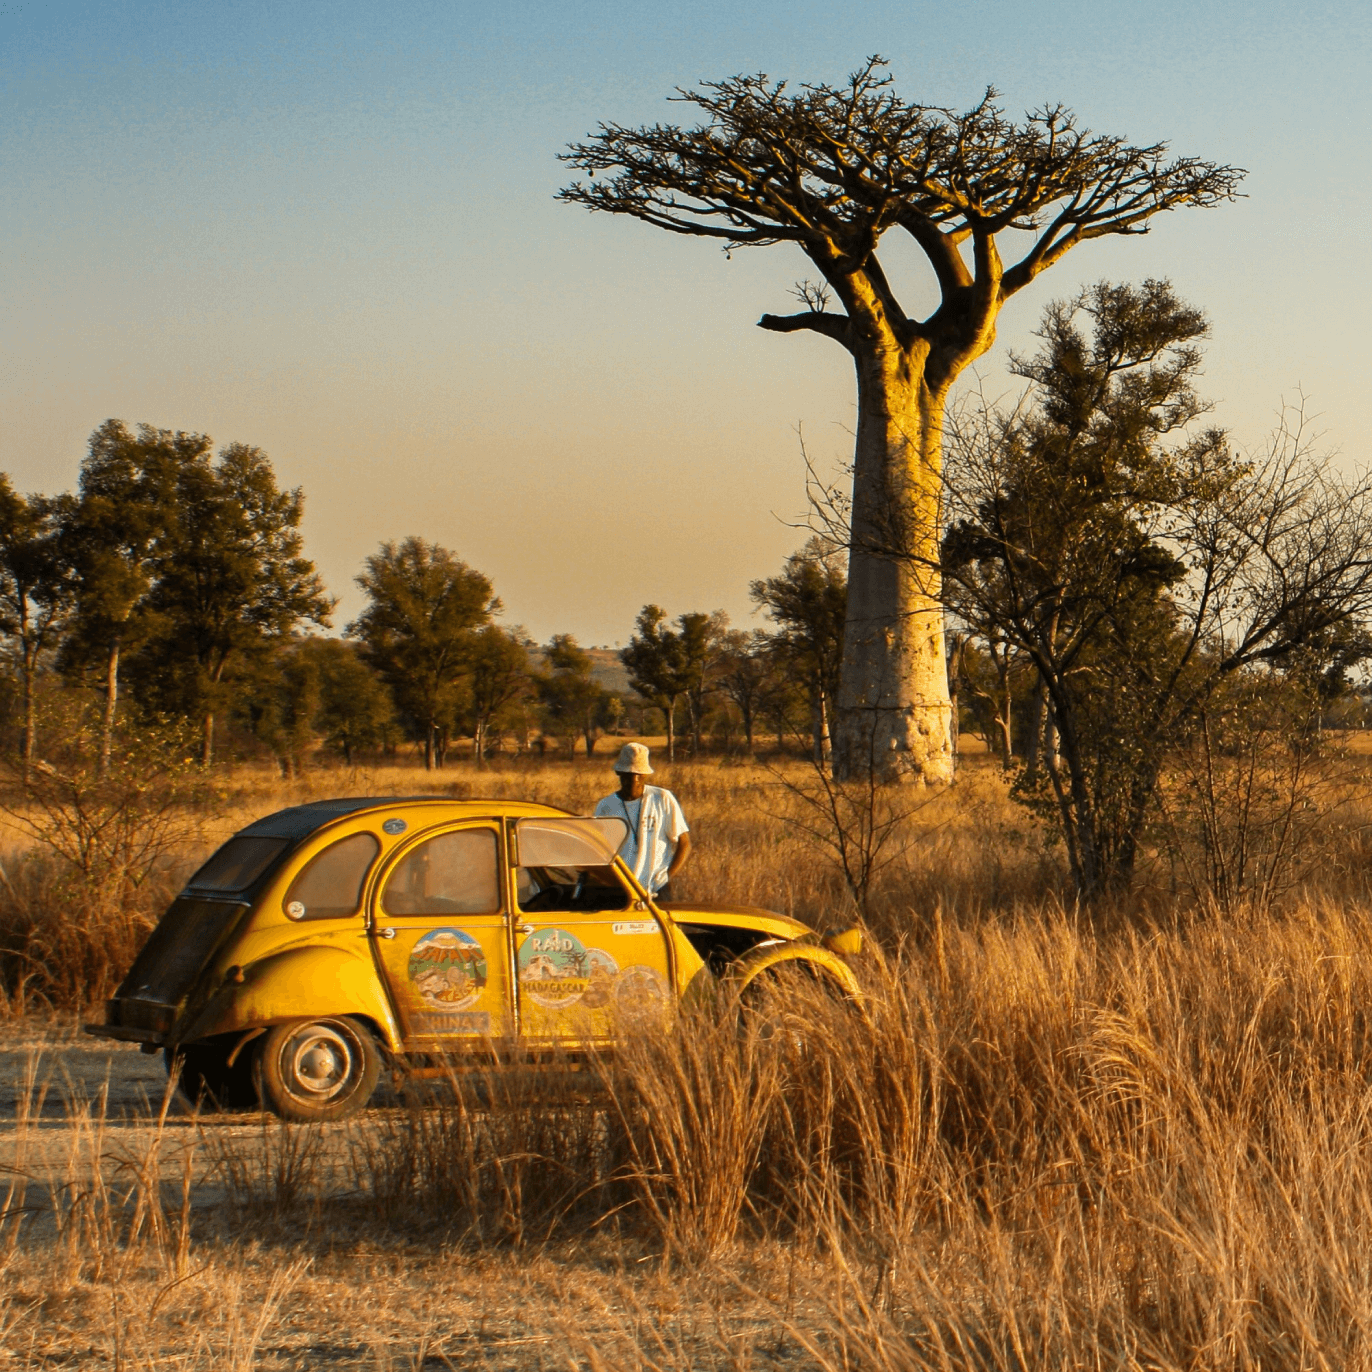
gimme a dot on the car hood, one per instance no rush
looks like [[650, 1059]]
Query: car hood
[[738, 917]]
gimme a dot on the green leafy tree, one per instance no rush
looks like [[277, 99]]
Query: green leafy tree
[[356, 712], [230, 582], [574, 702], [807, 603], [658, 666], [418, 631], [281, 701], [747, 676], [36, 594], [832, 170], [110, 534], [1137, 561], [702, 641], [500, 676]]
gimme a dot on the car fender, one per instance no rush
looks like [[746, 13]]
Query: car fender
[[753, 963], [298, 983]]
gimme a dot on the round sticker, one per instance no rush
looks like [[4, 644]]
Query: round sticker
[[602, 970], [448, 969], [640, 994], [296, 910], [394, 826], [554, 968]]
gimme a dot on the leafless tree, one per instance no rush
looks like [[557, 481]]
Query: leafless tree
[[831, 169]]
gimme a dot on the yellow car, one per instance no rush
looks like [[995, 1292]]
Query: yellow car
[[429, 934]]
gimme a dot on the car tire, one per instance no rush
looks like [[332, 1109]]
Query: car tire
[[772, 1006], [206, 1079], [317, 1069]]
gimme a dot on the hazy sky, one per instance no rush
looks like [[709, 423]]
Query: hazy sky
[[328, 229]]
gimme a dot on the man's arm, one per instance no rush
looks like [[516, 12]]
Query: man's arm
[[683, 851]]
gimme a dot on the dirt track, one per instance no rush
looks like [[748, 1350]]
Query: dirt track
[[77, 1068]]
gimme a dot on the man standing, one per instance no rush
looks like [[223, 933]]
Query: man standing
[[659, 842]]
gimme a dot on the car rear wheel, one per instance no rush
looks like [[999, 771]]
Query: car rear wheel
[[206, 1078], [322, 1069]]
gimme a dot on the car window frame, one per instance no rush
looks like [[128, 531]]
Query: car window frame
[[385, 869]]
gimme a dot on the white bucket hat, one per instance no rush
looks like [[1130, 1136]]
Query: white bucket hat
[[633, 757]]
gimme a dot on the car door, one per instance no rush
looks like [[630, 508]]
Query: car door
[[592, 960], [440, 931]]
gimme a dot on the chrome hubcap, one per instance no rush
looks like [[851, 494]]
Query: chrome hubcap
[[318, 1062]]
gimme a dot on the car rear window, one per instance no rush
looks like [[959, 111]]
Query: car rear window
[[238, 864], [331, 886]]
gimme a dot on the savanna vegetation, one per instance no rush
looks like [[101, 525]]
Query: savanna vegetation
[[1105, 1101]]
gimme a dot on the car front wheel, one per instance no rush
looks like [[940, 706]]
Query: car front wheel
[[322, 1069]]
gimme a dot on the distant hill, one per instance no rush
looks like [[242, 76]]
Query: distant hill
[[610, 671], [606, 667]]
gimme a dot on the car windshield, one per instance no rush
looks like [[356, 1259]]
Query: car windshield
[[238, 864]]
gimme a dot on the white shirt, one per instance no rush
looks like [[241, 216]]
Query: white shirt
[[656, 823]]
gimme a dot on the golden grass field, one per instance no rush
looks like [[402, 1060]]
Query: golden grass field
[[1130, 1138]]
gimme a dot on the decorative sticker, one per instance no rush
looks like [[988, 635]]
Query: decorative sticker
[[637, 926], [640, 993], [394, 826], [448, 969], [602, 970], [554, 968]]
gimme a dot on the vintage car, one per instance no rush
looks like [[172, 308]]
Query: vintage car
[[427, 935]]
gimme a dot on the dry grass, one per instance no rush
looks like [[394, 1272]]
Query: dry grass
[[1139, 1142]]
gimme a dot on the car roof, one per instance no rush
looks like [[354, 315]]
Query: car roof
[[300, 820]]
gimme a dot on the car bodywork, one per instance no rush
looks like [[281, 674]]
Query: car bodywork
[[476, 931]]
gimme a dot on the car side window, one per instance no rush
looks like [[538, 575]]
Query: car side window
[[585, 889], [450, 874], [331, 885]]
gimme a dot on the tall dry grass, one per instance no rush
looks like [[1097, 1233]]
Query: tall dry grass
[[1137, 1140], [1034, 1144]]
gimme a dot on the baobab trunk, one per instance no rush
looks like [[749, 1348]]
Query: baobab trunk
[[894, 710]]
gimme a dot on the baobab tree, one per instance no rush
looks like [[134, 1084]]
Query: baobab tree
[[831, 169]]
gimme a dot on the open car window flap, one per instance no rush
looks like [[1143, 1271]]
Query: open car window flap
[[570, 842]]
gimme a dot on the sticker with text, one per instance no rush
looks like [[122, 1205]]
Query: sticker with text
[[448, 969], [635, 926], [554, 968]]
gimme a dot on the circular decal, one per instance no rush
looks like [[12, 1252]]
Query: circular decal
[[448, 969], [394, 826], [640, 993], [554, 968], [601, 971], [296, 910]]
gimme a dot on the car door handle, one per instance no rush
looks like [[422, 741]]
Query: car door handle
[[388, 933], [524, 928]]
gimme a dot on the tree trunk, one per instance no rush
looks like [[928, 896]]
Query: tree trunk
[[479, 743], [1003, 716], [893, 707], [589, 735], [30, 720], [429, 746], [959, 641], [670, 712], [1033, 745], [111, 704], [207, 741]]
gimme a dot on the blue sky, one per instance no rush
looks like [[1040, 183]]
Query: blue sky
[[329, 230]]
